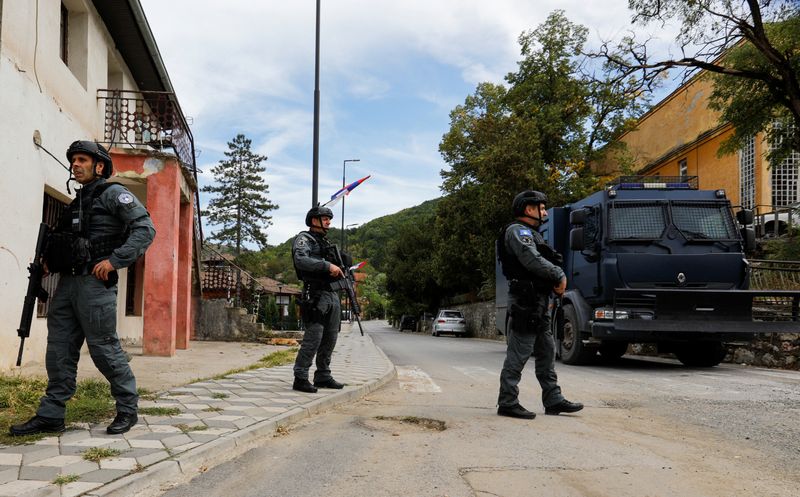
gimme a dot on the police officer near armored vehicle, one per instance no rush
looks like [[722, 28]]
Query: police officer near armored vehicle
[[531, 268], [320, 308], [104, 229]]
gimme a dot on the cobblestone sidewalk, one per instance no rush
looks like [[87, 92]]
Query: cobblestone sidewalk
[[217, 420]]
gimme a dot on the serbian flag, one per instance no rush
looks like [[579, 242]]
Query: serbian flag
[[344, 192], [358, 266]]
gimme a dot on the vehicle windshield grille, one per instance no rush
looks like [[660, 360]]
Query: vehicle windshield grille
[[636, 220], [699, 221]]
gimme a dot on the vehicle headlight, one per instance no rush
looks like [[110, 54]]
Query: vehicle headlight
[[606, 313]]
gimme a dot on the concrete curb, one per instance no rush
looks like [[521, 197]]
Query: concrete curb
[[163, 475]]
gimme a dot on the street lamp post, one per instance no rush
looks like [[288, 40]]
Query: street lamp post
[[315, 161], [345, 238], [280, 306], [344, 166]]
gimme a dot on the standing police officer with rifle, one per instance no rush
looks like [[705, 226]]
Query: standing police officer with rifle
[[104, 229], [317, 266], [531, 267]]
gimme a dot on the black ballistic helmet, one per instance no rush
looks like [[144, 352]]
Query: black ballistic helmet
[[95, 150], [318, 212], [525, 198]]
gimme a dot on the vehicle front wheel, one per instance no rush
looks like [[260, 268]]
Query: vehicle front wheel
[[571, 346], [701, 354]]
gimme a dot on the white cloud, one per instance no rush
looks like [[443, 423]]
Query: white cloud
[[245, 66]]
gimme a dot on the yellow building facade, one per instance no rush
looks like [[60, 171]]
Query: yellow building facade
[[681, 136]]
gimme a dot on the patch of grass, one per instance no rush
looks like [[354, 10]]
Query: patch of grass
[[281, 431], [146, 394], [213, 409], [95, 454], [19, 399], [138, 468], [219, 395], [278, 358], [92, 402], [159, 411], [64, 479], [186, 428]]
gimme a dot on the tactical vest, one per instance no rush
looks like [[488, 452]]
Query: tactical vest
[[514, 270], [326, 253], [69, 247]]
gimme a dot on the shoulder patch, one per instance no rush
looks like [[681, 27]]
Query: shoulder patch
[[125, 198], [301, 242], [524, 232]]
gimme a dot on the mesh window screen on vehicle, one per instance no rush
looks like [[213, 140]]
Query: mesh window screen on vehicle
[[636, 220], [710, 221]]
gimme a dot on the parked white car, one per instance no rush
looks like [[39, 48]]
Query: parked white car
[[448, 321]]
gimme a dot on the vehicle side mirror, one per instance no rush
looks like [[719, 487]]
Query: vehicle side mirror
[[576, 241], [577, 217], [749, 239], [745, 217]]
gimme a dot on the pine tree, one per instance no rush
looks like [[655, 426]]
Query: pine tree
[[239, 197]]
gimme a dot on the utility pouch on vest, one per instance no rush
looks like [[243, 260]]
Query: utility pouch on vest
[[308, 305], [58, 254], [523, 319]]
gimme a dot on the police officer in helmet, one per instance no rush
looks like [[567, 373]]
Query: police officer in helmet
[[532, 269], [320, 308], [104, 229]]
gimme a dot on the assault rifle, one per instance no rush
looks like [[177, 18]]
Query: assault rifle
[[346, 284], [35, 290]]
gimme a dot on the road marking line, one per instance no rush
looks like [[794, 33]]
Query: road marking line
[[413, 379], [476, 372]]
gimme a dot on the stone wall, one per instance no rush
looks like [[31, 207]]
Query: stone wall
[[480, 320], [215, 320], [771, 351]]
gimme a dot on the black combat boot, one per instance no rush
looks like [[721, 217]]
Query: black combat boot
[[329, 383], [122, 423], [563, 406], [303, 385], [515, 411], [37, 424]]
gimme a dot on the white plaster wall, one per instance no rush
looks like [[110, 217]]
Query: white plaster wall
[[62, 111]]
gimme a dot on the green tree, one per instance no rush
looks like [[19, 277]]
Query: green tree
[[409, 276], [239, 200], [539, 133], [750, 50]]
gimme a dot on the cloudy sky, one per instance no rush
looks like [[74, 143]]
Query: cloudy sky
[[390, 73]]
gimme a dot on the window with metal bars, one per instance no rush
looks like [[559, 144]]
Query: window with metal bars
[[51, 213], [747, 174], [636, 220], [704, 220], [786, 175]]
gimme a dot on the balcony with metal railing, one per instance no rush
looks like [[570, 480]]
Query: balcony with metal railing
[[147, 119]]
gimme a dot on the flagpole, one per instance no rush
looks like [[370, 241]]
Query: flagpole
[[344, 164]]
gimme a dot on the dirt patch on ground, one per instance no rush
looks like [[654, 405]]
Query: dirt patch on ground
[[396, 424]]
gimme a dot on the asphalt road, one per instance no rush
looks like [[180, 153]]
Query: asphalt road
[[651, 428]]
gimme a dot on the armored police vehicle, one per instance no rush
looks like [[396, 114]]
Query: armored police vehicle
[[656, 260]]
